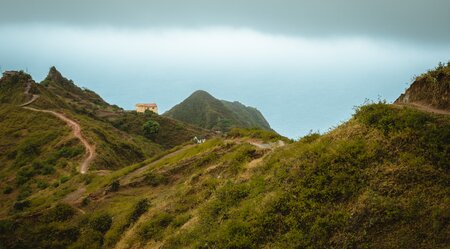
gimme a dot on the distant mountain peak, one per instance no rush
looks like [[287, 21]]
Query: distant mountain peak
[[54, 75], [204, 110], [201, 93]]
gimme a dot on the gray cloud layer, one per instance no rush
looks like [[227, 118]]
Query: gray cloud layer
[[411, 20]]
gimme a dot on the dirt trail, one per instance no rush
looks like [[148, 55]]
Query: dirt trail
[[268, 145], [76, 129], [424, 108]]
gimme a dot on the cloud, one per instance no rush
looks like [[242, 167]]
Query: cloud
[[413, 20]]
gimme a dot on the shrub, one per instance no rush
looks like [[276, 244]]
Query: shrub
[[101, 222], [47, 170], [8, 190], [115, 185], [150, 128], [24, 192], [139, 209], [24, 175], [61, 212], [69, 152], [21, 205], [41, 184]]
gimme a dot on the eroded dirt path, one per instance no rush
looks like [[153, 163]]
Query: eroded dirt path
[[76, 129]]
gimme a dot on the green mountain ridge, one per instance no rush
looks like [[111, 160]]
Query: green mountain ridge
[[379, 180], [203, 110], [39, 149]]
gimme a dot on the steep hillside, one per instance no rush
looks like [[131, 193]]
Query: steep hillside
[[85, 102], [203, 110], [52, 131], [430, 90], [247, 115], [378, 181]]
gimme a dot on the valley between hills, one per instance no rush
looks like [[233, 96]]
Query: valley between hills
[[78, 172]]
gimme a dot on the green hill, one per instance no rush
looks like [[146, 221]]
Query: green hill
[[380, 180], [39, 149], [119, 140], [203, 110], [88, 103]]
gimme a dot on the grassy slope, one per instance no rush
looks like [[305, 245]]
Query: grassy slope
[[88, 103], [114, 148], [39, 154], [378, 181], [203, 110]]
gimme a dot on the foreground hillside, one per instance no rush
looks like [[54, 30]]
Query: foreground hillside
[[378, 181], [203, 110]]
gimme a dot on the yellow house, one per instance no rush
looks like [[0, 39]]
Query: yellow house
[[144, 107]]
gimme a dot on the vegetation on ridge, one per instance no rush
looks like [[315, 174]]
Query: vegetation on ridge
[[377, 181], [380, 180]]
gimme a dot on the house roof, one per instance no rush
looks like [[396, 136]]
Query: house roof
[[147, 105], [10, 72]]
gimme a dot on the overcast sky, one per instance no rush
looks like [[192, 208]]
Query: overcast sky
[[304, 64]]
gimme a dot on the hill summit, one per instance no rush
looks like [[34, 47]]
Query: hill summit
[[204, 110], [430, 91]]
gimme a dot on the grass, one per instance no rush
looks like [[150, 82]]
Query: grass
[[379, 180]]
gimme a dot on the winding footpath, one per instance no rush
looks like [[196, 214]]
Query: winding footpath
[[76, 129]]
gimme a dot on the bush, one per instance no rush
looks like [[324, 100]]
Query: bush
[[8, 190], [24, 192], [115, 185], [150, 128], [61, 212], [24, 175], [101, 222], [41, 184], [69, 152], [21, 205], [139, 209]]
